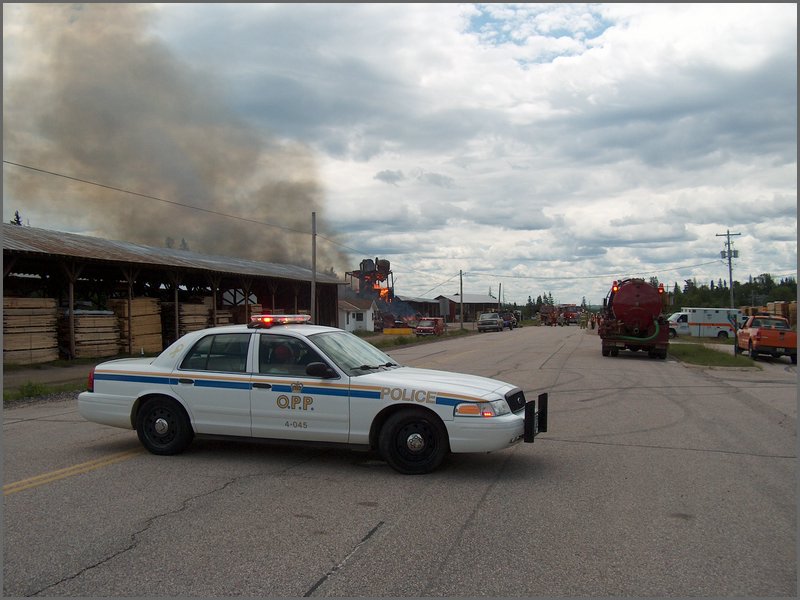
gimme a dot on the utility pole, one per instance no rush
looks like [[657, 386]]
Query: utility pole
[[730, 254], [461, 297], [313, 267]]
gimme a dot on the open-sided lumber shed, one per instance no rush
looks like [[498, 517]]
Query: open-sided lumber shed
[[79, 270]]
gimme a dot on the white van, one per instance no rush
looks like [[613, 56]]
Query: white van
[[706, 322]]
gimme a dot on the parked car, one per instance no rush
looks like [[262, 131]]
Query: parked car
[[430, 326], [282, 378], [490, 322]]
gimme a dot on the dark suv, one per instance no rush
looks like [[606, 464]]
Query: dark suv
[[509, 320]]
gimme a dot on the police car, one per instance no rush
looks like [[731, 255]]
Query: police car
[[282, 378]]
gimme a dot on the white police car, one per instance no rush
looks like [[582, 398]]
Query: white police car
[[282, 378]]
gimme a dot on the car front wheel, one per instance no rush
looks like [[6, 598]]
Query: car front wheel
[[413, 442], [163, 427]]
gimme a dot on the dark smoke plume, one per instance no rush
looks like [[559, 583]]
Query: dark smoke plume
[[102, 99]]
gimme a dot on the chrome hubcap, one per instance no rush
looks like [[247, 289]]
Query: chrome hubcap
[[161, 426], [415, 442]]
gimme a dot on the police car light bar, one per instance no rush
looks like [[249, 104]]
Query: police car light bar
[[267, 321]]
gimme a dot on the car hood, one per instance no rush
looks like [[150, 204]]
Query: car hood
[[441, 382]]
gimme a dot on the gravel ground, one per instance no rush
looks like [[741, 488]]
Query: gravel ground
[[45, 398]]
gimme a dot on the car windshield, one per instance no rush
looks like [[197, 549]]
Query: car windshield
[[425, 323], [486, 316], [351, 354]]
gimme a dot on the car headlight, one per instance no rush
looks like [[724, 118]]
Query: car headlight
[[495, 408]]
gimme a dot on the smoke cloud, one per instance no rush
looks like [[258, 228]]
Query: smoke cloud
[[102, 99]]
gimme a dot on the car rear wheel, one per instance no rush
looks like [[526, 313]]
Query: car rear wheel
[[413, 442], [163, 426]]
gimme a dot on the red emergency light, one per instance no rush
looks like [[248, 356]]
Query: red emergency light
[[267, 321], [615, 287]]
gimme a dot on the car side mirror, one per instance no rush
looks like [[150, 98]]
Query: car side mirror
[[320, 369]]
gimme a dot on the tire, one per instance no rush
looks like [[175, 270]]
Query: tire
[[413, 442], [723, 335], [753, 355], [163, 427], [606, 351], [794, 359]]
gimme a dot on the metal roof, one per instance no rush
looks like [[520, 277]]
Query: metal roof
[[471, 299], [417, 300], [32, 240]]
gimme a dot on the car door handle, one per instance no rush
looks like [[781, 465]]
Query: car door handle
[[187, 381], [263, 386]]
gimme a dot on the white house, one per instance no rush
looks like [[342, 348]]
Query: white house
[[357, 314]]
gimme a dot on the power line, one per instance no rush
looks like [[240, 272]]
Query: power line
[[192, 207], [561, 277], [124, 191]]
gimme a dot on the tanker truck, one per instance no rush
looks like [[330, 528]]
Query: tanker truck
[[632, 319]]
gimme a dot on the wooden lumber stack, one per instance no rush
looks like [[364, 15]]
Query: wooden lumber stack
[[145, 324], [96, 333], [224, 317], [191, 317], [239, 315], [29, 330]]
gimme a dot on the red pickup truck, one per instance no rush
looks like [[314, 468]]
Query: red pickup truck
[[767, 334]]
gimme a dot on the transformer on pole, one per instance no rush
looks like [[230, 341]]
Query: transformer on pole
[[730, 254]]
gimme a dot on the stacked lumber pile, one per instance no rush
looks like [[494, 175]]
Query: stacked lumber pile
[[788, 310], [29, 330], [191, 317], [239, 314], [780, 308], [96, 333], [145, 324], [224, 317]]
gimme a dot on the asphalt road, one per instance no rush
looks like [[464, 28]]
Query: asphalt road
[[654, 479]]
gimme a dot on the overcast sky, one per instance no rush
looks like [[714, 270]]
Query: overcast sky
[[544, 147]]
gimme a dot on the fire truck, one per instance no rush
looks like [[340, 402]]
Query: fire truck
[[569, 312], [632, 319]]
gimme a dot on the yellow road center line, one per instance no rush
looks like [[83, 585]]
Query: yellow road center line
[[24, 484]]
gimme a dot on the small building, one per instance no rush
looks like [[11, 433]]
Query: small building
[[473, 305], [357, 314], [426, 307]]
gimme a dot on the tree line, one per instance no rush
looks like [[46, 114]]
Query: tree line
[[756, 291]]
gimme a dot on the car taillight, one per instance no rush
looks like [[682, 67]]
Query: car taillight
[[90, 383]]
